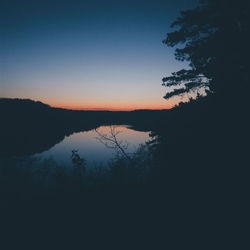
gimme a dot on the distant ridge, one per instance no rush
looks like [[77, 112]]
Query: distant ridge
[[29, 126], [26, 103], [29, 103], [24, 100]]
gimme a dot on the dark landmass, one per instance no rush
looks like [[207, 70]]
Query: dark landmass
[[197, 168], [29, 127]]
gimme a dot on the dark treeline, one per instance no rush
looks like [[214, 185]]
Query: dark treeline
[[29, 127]]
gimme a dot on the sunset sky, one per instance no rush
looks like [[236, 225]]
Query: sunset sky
[[95, 54]]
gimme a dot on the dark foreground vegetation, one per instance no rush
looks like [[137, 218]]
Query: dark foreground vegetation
[[195, 167]]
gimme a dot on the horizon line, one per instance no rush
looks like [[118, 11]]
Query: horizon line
[[80, 108], [89, 108], [107, 109]]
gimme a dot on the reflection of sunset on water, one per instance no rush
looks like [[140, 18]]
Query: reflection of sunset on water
[[91, 149]]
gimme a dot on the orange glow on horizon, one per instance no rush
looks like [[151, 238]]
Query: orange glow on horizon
[[100, 105], [112, 108], [110, 104], [113, 105]]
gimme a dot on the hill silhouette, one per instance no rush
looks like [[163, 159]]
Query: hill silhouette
[[29, 127]]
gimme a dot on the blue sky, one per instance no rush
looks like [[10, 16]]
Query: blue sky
[[88, 54]]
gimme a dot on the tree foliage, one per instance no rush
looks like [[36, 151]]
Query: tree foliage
[[213, 38]]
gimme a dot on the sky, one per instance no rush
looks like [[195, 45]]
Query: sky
[[93, 54]]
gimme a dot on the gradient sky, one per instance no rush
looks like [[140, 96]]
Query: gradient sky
[[94, 54]]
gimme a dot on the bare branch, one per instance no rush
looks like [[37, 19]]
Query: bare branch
[[111, 141]]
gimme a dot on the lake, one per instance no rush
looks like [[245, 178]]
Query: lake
[[92, 149]]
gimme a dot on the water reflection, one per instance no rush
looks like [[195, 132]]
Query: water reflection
[[91, 149]]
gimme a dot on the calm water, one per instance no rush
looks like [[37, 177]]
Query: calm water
[[91, 149]]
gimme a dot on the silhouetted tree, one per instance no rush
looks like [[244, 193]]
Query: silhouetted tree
[[215, 42], [78, 162]]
